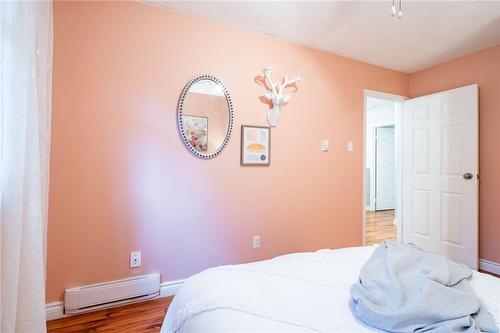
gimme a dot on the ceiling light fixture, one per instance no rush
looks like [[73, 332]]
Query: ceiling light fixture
[[399, 10]]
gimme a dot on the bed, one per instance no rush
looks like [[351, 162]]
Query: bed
[[300, 292]]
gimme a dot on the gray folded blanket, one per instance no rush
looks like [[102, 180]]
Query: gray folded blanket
[[401, 288]]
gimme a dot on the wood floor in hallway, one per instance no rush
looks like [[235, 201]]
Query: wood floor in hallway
[[379, 227]]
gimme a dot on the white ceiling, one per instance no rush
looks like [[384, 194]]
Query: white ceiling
[[430, 32]]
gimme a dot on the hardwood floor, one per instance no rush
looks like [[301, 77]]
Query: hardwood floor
[[135, 318], [379, 227]]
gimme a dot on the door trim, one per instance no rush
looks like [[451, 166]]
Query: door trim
[[398, 142]]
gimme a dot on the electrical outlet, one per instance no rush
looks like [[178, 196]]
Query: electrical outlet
[[135, 259], [256, 241]]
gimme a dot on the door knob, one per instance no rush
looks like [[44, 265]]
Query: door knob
[[468, 175]]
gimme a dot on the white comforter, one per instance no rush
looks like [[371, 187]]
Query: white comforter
[[302, 292]]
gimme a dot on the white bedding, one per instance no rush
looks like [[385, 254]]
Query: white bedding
[[302, 292]]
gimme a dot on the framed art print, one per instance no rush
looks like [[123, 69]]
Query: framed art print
[[255, 145], [196, 130]]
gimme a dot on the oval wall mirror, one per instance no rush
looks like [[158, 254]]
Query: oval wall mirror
[[205, 116]]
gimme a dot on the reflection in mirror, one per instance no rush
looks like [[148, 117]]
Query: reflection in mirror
[[205, 116]]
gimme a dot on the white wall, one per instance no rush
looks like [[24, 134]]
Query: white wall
[[379, 113]]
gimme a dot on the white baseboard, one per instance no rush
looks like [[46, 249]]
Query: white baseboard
[[55, 310], [489, 266], [169, 288]]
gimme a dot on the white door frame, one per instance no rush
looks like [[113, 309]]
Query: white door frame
[[398, 143]]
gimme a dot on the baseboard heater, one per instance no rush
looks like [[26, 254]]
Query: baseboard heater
[[110, 294]]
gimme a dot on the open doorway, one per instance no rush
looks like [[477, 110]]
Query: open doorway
[[382, 155]]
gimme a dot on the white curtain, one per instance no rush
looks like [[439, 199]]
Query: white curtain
[[25, 101]]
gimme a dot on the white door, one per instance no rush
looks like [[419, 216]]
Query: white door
[[440, 170], [385, 169]]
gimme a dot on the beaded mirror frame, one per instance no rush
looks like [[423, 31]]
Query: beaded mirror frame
[[180, 112]]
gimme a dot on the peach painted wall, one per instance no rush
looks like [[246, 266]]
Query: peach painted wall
[[121, 179], [483, 68]]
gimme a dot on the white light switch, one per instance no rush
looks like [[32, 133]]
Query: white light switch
[[325, 145], [350, 146], [135, 259], [256, 241]]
